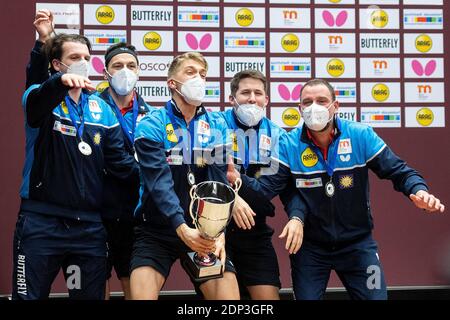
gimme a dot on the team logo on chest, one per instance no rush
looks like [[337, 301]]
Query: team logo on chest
[[203, 131], [265, 145], [345, 149], [96, 111]]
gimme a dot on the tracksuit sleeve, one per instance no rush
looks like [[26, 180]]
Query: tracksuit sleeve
[[387, 165], [293, 203], [37, 67], [267, 186], [157, 179], [41, 100], [118, 162]]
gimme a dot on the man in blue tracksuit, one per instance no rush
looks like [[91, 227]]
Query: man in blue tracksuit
[[177, 147], [328, 160], [255, 141], [119, 196], [72, 137]]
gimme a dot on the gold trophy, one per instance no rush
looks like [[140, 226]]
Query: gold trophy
[[211, 209]]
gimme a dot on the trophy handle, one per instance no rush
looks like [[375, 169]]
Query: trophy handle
[[194, 220], [237, 185], [192, 191]]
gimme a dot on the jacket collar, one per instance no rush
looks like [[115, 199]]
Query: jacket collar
[[177, 112]]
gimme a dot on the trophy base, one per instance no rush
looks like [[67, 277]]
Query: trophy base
[[202, 273]]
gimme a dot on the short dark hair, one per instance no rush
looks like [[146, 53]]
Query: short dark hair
[[53, 47], [254, 74], [125, 48], [316, 82]]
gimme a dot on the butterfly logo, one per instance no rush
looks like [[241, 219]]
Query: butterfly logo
[[418, 68], [288, 95], [194, 44], [340, 20], [97, 65]]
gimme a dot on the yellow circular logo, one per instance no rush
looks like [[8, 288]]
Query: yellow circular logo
[[309, 158], [290, 42], [425, 117], [105, 14], [102, 86], [424, 43], [334, 1], [152, 40], [379, 18], [291, 117], [335, 67], [171, 136], [380, 92], [244, 17]]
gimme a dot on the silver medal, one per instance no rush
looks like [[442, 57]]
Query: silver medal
[[85, 148], [329, 189], [191, 178]]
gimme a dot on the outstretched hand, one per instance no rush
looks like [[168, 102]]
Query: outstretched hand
[[426, 201]]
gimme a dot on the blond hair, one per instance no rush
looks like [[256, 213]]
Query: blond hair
[[178, 60]]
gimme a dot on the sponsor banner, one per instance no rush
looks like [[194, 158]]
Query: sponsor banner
[[429, 117], [335, 43], [238, 17], [379, 43], [421, 92], [335, 68], [233, 65], [290, 42], [153, 91], [424, 67], [335, 18], [423, 43], [292, 18], [199, 41], [381, 117], [379, 67], [64, 14], [105, 15], [290, 67], [378, 18], [424, 19], [153, 41], [103, 39], [151, 16], [286, 117], [380, 92]]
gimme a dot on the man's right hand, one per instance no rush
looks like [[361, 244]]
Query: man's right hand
[[75, 81], [43, 23], [192, 238]]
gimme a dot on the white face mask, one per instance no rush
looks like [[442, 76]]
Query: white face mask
[[81, 68], [123, 81], [316, 116], [249, 114], [193, 90]]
